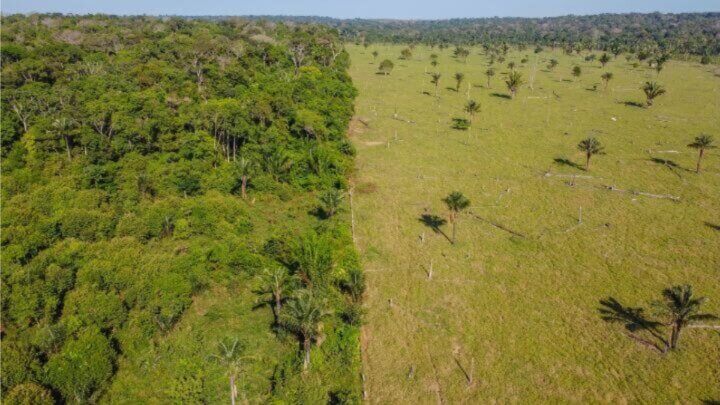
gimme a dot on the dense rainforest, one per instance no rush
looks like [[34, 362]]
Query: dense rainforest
[[173, 221], [678, 34]]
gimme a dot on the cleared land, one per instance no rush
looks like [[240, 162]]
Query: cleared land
[[520, 313]]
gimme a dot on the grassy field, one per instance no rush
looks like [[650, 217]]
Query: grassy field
[[520, 313]]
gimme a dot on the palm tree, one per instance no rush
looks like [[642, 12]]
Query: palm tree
[[245, 168], [472, 107], [681, 310], [375, 54], [459, 77], [273, 286], [606, 77], [513, 82], [436, 81], [552, 64], [604, 59], [331, 200], [229, 357], [303, 316], [701, 143], [489, 73], [590, 146], [456, 202], [652, 90]]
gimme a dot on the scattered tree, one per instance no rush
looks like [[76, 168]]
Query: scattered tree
[[489, 73], [680, 309], [513, 82], [701, 143], [386, 66], [606, 77], [576, 71], [459, 77], [303, 316], [436, 81], [456, 202], [604, 59], [590, 146], [652, 91]]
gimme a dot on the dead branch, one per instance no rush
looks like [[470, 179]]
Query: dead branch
[[642, 193]]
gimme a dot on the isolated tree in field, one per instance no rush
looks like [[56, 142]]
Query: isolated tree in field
[[386, 66], [489, 73], [273, 288], [434, 63], [660, 62], [229, 351], [456, 202], [576, 71], [513, 82], [406, 54], [553, 63], [331, 200], [652, 91], [590, 146], [680, 309], [604, 59], [375, 54], [303, 316], [459, 77], [433, 57], [472, 107], [606, 77], [436, 81], [511, 66], [701, 143]]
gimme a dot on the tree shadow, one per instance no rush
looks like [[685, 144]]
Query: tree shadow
[[635, 322], [501, 95], [451, 89], [567, 162], [671, 165], [434, 222], [631, 103], [712, 226]]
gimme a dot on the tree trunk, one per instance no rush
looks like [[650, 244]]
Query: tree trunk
[[700, 156], [67, 146], [453, 233], [587, 162], [306, 348], [233, 390], [278, 307], [243, 186]]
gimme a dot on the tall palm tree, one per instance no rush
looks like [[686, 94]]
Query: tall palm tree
[[472, 107], [513, 82], [701, 143], [331, 200], [436, 81], [273, 287], [489, 73], [590, 146], [228, 356], [303, 316], [606, 77], [652, 90], [455, 202], [459, 77], [681, 310], [245, 168]]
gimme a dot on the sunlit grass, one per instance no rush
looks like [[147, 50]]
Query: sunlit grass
[[524, 310]]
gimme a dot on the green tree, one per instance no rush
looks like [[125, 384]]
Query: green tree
[[406, 54], [459, 77], [680, 309], [489, 73], [331, 200], [590, 146], [511, 66], [456, 202], [513, 82], [701, 143], [553, 63], [604, 59], [245, 168], [375, 54], [303, 316], [386, 66], [436, 81], [606, 77], [229, 357], [472, 107], [652, 90], [576, 71], [273, 287]]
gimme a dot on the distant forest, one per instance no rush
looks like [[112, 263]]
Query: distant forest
[[678, 34]]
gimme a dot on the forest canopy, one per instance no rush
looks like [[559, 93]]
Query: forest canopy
[[146, 160]]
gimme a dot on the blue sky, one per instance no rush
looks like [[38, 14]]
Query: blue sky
[[405, 9]]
